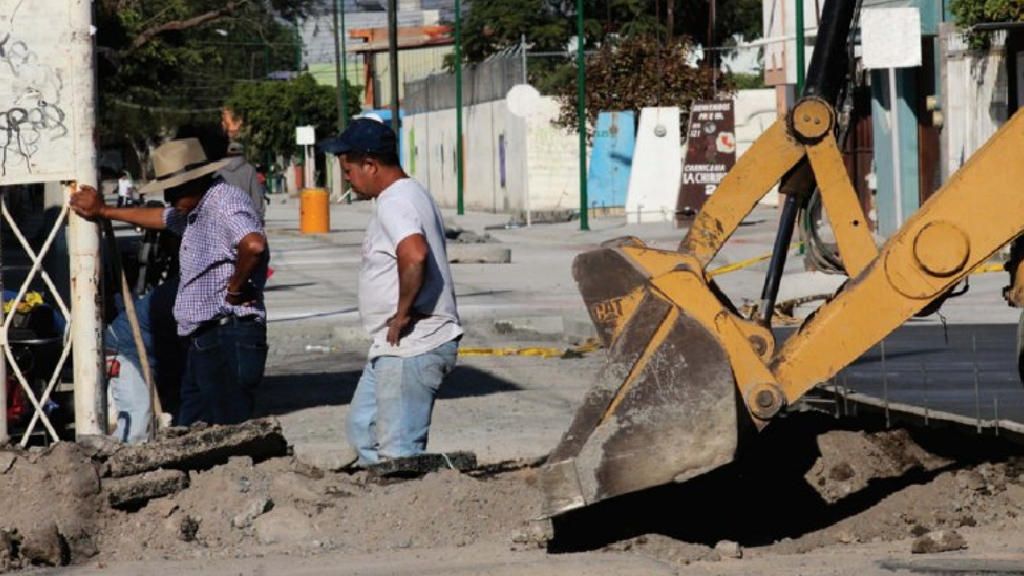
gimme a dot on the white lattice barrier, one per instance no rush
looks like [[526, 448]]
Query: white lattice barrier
[[38, 401], [47, 98]]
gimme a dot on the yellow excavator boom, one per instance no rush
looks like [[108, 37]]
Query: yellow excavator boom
[[687, 377]]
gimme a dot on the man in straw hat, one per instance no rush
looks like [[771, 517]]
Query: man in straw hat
[[223, 261]]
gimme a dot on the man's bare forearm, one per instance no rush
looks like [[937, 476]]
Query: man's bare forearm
[[151, 218], [410, 280]]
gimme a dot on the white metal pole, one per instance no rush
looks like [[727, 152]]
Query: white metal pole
[[84, 238], [310, 168], [894, 132]]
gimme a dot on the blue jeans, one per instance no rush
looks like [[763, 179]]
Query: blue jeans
[[132, 401], [224, 364], [389, 416]]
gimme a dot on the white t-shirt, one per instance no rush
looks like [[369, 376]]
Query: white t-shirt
[[124, 187], [403, 209]]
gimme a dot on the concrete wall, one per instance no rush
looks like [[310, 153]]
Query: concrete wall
[[512, 163], [755, 112], [974, 96]]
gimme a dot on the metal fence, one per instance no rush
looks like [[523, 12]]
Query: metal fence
[[485, 82]]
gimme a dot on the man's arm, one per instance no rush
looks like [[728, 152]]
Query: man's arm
[[251, 248], [412, 254], [88, 203]]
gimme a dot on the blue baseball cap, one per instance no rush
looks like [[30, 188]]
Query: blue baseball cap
[[362, 135]]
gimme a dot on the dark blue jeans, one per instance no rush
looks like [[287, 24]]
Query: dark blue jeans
[[224, 365]]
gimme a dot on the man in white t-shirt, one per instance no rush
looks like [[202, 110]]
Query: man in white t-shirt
[[125, 190], [406, 298]]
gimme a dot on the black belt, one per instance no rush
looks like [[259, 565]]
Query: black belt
[[224, 321]]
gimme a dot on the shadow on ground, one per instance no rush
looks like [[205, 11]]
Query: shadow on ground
[[293, 389], [760, 498]]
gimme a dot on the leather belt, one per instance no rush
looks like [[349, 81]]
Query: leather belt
[[224, 321]]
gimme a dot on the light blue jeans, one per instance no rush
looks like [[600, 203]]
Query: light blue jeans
[[389, 416], [132, 401]]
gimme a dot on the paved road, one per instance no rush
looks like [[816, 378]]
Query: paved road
[[966, 369]]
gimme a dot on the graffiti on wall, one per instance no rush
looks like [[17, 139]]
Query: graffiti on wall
[[35, 63]]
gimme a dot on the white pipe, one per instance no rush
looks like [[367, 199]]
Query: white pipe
[[84, 237]]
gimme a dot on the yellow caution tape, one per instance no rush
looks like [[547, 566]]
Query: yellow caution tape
[[741, 265], [543, 352], [988, 268]]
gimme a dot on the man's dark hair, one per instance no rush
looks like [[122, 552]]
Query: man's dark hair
[[193, 187], [390, 159]]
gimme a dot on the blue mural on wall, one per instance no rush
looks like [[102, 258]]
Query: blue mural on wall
[[611, 159]]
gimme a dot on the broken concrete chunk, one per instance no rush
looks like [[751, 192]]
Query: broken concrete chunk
[[44, 545], [253, 509], [6, 461], [284, 525], [971, 480], [416, 466], [202, 448], [137, 490], [729, 549], [328, 458], [938, 541], [6, 551], [188, 528]]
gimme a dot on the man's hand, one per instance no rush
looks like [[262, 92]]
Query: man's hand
[[398, 326], [87, 202], [244, 296]]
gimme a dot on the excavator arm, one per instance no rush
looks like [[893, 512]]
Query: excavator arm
[[687, 377]]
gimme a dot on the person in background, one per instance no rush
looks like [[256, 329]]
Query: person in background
[[132, 397], [223, 268], [406, 299], [242, 174], [125, 190]]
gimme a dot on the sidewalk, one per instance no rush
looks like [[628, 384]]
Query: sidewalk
[[312, 295]]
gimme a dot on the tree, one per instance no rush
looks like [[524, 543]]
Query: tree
[[548, 25], [967, 13], [162, 64], [271, 110], [634, 73]]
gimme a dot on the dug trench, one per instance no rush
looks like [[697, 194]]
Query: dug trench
[[807, 482]]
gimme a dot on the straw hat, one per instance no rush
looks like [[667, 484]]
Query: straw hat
[[177, 162]]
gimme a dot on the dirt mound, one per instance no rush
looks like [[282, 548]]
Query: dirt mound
[[859, 487]]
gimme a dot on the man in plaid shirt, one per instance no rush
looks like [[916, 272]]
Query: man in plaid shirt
[[223, 260]]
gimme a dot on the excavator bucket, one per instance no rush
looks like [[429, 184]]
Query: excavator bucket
[[664, 408]]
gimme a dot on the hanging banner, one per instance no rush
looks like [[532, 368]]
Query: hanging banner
[[710, 153]]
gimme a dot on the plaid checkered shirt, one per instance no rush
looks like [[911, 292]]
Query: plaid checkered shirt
[[209, 249]]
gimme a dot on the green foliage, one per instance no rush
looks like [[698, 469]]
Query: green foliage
[[967, 13], [548, 25], [271, 110], [165, 64], [618, 28], [634, 73], [747, 80]]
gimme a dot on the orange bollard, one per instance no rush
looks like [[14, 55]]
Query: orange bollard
[[315, 211]]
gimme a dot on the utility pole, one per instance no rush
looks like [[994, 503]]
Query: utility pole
[[338, 32], [460, 184], [711, 50], [581, 112], [393, 58], [800, 48]]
